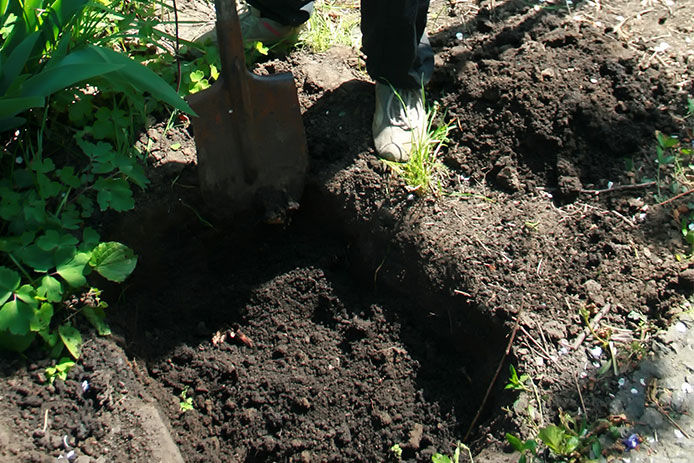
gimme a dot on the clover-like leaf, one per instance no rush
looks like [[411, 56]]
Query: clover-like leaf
[[42, 318], [53, 239], [114, 193], [97, 317], [51, 288], [72, 339], [9, 282], [114, 261], [15, 317], [72, 270]]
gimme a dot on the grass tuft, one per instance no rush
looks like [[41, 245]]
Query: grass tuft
[[424, 170]]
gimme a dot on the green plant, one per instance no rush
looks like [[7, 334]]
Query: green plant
[[455, 458], [515, 382], [570, 441], [59, 370], [396, 452], [186, 403], [423, 170], [56, 176], [334, 22], [527, 448], [39, 58]]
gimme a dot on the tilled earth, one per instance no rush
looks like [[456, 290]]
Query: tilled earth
[[378, 316]]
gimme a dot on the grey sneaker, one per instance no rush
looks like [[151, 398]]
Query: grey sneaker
[[254, 28], [398, 122]]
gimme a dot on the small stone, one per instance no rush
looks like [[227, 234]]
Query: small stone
[[383, 418], [415, 437], [83, 459]]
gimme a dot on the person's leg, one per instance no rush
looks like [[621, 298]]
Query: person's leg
[[400, 59], [269, 21], [286, 12], [394, 41]]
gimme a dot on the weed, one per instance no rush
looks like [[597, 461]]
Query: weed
[[333, 22], [455, 458], [186, 403], [422, 172], [59, 370], [396, 452], [515, 382]]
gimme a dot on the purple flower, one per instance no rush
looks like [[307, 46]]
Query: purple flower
[[632, 442]]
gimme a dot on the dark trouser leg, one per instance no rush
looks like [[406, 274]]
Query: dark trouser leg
[[397, 48], [287, 12]]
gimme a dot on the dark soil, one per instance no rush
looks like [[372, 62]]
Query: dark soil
[[376, 316]]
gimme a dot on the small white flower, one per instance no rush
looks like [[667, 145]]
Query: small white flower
[[19, 160], [679, 326], [610, 185], [621, 382], [593, 80], [642, 381], [459, 36], [634, 391]]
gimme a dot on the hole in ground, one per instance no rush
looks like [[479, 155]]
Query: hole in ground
[[337, 371]]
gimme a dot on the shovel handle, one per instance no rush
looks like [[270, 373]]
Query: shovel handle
[[230, 40]]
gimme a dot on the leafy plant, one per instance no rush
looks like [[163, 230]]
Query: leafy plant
[[186, 403], [527, 448], [455, 458], [50, 59], [515, 382], [396, 452], [59, 370]]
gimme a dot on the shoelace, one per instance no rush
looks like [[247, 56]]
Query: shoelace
[[402, 113]]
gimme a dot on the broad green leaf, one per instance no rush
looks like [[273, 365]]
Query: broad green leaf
[[10, 107], [16, 60], [52, 240], [97, 317], [72, 339], [15, 342], [131, 74], [114, 261], [15, 317], [50, 338], [68, 177], [9, 282], [51, 289], [438, 458], [114, 193], [47, 187], [552, 436], [515, 442], [70, 70], [90, 238], [72, 271], [36, 258], [42, 318], [27, 294], [42, 166]]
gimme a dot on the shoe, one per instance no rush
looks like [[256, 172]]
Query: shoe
[[255, 28], [398, 121]]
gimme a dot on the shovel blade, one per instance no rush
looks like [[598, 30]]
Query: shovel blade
[[252, 152]]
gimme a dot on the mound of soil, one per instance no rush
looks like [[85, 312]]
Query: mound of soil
[[379, 316]]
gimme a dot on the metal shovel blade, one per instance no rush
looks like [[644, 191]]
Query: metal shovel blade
[[249, 134]]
